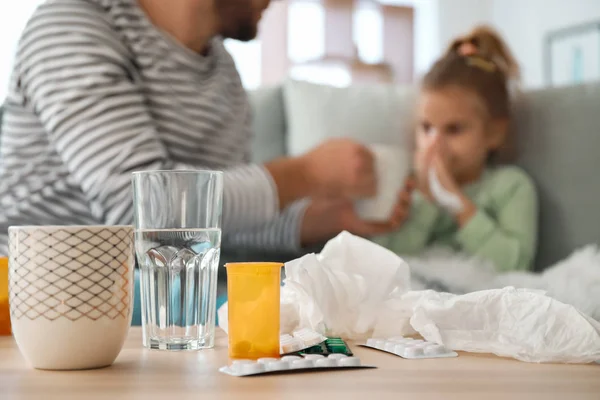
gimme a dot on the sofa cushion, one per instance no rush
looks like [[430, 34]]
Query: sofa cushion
[[268, 123], [370, 114], [558, 142]]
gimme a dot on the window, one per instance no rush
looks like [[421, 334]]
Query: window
[[306, 31], [13, 18], [247, 57], [368, 33], [325, 74]]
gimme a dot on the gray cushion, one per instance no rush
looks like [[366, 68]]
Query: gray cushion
[[558, 140], [268, 123]]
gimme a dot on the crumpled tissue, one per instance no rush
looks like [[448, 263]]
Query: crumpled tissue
[[357, 289], [347, 290], [343, 290], [520, 323]]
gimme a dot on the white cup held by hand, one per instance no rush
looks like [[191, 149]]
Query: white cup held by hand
[[392, 165], [71, 294]]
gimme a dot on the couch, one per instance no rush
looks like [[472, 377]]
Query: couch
[[557, 133]]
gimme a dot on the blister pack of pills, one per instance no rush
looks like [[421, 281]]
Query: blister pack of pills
[[300, 340], [410, 348], [329, 346], [293, 364]]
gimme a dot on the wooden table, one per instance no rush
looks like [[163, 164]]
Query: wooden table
[[148, 374]]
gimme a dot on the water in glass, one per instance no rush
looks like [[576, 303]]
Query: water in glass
[[178, 286]]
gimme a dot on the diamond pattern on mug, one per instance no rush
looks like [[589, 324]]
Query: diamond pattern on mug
[[55, 279]]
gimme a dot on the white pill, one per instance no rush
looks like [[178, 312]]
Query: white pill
[[399, 349], [240, 362], [417, 341], [291, 346], [248, 369], [236, 365], [435, 350], [290, 358], [349, 362], [326, 363], [278, 366], [413, 352], [308, 337], [266, 360], [422, 345], [389, 346], [380, 344], [337, 356], [397, 339], [372, 342], [313, 356], [301, 364]]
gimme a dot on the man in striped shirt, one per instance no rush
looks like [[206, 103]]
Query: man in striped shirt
[[102, 88]]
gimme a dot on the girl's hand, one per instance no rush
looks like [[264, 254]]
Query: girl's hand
[[423, 163], [466, 208], [445, 177], [402, 209]]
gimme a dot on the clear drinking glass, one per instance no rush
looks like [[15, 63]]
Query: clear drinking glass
[[178, 240]]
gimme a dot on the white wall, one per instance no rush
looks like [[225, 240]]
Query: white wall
[[13, 17], [523, 23], [457, 16]]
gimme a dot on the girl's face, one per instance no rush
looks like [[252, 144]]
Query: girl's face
[[466, 134]]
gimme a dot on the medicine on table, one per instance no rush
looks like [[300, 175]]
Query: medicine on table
[[299, 340], [329, 346], [410, 348], [292, 364]]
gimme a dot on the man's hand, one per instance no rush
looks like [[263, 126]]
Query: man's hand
[[327, 217], [341, 168]]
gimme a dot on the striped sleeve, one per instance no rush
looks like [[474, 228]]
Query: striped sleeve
[[280, 234], [77, 77]]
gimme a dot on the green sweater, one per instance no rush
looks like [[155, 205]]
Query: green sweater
[[503, 231]]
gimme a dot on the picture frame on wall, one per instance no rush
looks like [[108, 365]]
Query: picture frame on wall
[[572, 55]]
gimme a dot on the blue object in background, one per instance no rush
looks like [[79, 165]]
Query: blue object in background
[[137, 303], [578, 65]]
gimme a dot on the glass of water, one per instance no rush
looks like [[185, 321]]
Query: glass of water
[[177, 240]]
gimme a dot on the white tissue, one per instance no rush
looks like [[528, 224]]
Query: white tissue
[[519, 323], [444, 198], [343, 290], [357, 289], [447, 200]]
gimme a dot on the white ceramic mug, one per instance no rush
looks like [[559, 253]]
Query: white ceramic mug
[[70, 293], [392, 165]]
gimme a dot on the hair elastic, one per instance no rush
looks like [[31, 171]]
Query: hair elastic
[[481, 63]]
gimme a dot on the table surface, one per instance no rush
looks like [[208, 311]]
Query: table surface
[[151, 374]]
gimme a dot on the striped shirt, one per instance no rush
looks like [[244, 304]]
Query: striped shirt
[[98, 92]]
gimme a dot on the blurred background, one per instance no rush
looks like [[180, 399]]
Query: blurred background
[[340, 42]]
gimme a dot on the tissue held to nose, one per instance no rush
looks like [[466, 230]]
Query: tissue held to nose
[[443, 197]]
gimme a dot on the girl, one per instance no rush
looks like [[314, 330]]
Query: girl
[[462, 199]]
